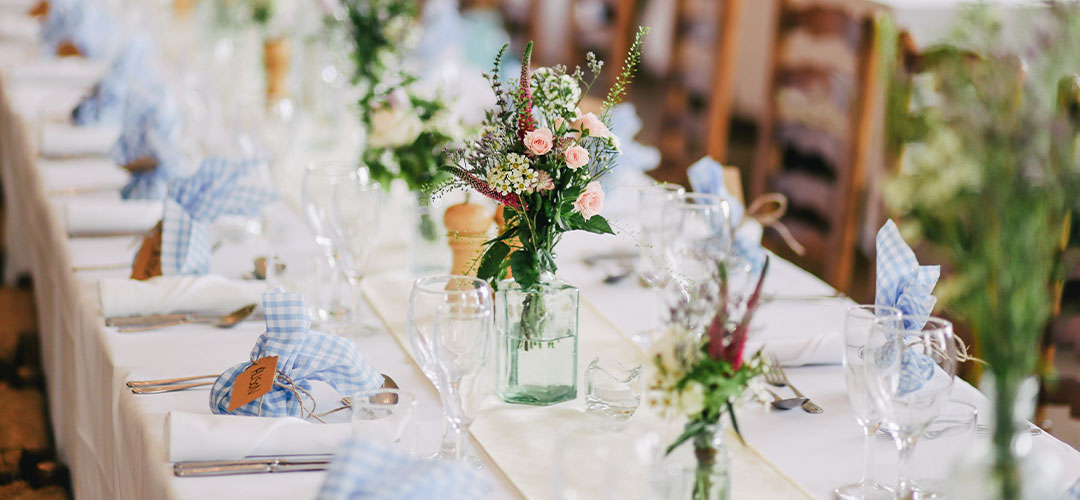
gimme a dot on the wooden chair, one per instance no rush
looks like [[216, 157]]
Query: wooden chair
[[815, 135], [700, 85]]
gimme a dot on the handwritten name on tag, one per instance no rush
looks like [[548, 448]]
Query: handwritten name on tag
[[253, 382], [148, 260]]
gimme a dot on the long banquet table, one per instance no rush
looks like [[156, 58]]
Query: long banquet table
[[114, 440]]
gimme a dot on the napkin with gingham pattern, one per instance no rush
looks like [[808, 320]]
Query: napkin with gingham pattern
[[364, 469], [304, 355], [219, 187], [105, 103], [150, 129], [904, 284], [84, 24]]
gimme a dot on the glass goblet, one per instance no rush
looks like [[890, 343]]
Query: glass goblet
[[461, 347], [355, 227], [858, 324], [910, 378], [317, 202]]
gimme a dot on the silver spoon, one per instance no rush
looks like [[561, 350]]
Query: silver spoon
[[785, 404], [227, 321], [383, 398]]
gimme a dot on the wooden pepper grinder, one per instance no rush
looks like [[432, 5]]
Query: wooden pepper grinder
[[276, 56], [467, 227]]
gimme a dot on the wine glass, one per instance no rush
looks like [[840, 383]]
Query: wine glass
[[651, 265], [355, 226], [317, 199], [858, 324], [698, 236], [428, 297], [386, 415], [461, 345], [910, 378]]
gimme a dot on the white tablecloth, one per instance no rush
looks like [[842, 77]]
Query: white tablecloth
[[114, 440]]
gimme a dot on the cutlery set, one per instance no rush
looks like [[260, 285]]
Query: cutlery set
[[776, 377], [147, 323]]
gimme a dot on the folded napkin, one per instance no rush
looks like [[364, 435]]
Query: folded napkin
[[707, 176], [210, 294], [110, 216], [364, 469], [19, 28], [66, 141], [81, 174], [218, 188], [821, 349], [904, 284], [105, 103], [303, 355], [84, 24], [198, 436], [150, 132]]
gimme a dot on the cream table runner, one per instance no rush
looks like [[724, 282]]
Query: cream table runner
[[523, 456]]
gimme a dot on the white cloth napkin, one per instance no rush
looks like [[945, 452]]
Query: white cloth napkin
[[79, 174], [58, 141], [111, 216], [211, 294], [819, 349], [67, 71], [19, 28], [197, 436]]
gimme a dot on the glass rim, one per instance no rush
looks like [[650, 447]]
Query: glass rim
[[873, 307], [424, 284], [664, 186], [331, 168], [936, 322], [687, 198]]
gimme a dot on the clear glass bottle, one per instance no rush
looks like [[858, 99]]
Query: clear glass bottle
[[537, 342]]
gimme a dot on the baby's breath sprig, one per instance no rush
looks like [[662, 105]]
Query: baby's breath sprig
[[629, 68]]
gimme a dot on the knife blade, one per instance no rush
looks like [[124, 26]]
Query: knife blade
[[267, 465]]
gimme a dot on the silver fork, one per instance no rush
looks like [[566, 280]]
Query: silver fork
[[775, 376], [169, 384]]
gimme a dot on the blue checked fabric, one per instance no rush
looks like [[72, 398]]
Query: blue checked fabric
[[151, 128], [363, 469], [707, 176], [219, 187], [304, 355], [1073, 493], [84, 24], [105, 103], [904, 284]]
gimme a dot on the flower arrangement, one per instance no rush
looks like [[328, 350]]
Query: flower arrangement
[[381, 31], [699, 375], [540, 157], [999, 209]]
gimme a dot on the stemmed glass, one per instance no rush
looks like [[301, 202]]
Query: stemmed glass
[[910, 369], [355, 227], [317, 200], [652, 266], [461, 346], [858, 325], [428, 297], [698, 235]]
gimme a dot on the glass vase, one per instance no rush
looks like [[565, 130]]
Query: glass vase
[[1002, 466], [698, 469], [430, 251], [537, 342]]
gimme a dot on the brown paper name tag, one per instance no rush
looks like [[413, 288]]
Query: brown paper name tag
[[148, 260], [68, 49], [142, 164], [40, 9], [253, 382]]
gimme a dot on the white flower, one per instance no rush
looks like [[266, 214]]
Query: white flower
[[692, 398], [394, 127]]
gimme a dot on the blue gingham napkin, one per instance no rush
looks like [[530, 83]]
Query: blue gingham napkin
[[151, 128], [219, 187], [635, 157], [304, 355], [363, 469], [707, 176], [904, 284], [105, 103], [84, 24]]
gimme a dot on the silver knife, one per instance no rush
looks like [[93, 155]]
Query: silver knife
[[261, 465]]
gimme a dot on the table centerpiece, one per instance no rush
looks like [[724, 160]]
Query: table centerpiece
[[700, 376], [540, 157]]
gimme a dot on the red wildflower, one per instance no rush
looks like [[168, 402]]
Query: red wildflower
[[525, 118]]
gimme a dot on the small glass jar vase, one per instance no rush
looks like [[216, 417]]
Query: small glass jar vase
[[430, 253], [698, 469], [537, 342]]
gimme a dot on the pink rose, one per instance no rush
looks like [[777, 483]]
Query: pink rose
[[593, 124], [591, 201], [539, 141], [576, 157]]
